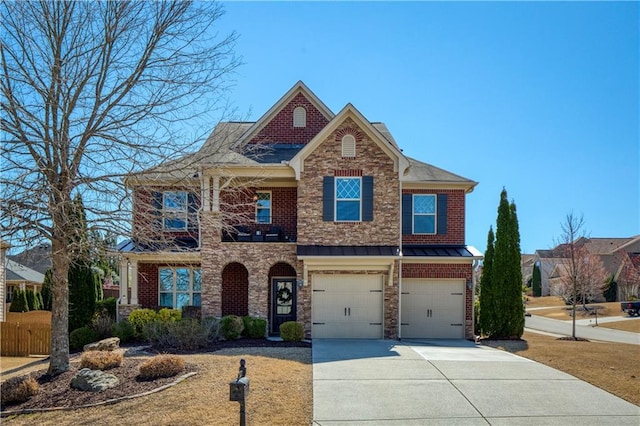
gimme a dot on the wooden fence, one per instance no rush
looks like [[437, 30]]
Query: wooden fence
[[26, 334]]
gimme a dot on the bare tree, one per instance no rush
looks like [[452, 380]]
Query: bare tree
[[92, 92], [584, 273]]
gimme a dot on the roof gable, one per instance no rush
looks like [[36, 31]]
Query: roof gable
[[276, 125], [349, 111]]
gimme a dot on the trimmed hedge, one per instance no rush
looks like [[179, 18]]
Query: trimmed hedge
[[292, 331], [231, 327], [254, 327]]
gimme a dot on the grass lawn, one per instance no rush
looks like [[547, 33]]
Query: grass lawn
[[613, 367]]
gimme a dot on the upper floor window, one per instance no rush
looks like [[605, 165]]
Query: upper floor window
[[424, 214], [348, 198], [348, 146], [299, 117], [181, 286], [174, 206], [263, 207]]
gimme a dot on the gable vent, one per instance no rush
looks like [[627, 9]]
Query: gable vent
[[299, 117], [348, 146]]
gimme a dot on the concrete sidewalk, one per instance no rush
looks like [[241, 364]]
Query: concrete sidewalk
[[585, 331], [450, 382]]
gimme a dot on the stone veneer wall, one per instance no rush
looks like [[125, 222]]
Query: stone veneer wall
[[444, 270], [372, 161]]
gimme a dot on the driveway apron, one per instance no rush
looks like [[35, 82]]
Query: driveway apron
[[450, 382]]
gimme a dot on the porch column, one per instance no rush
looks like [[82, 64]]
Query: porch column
[[124, 281], [215, 204], [134, 282], [206, 193]]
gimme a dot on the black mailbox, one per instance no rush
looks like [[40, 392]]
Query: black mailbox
[[239, 389]]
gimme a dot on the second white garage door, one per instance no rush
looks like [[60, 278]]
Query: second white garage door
[[432, 309], [346, 306]]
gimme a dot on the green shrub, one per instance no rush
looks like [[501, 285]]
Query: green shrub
[[19, 301], [82, 336], [168, 315], [139, 318], [161, 366], [194, 312], [102, 324], [292, 331], [107, 306], [101, 360], [32, 301], [18, 389], [231, 327], [40, 301], [212, 326], [186, 334], [254, 327], [123, 330]]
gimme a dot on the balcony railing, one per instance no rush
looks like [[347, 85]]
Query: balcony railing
[[257, 234]]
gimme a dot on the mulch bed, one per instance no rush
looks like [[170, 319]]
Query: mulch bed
[[56, 392]]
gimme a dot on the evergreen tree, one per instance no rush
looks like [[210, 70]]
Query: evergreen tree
[[19, 301], [536, 282], [47, 295], [507, 314], [32, 300], [39, 301], [82, 285], [487, 291]]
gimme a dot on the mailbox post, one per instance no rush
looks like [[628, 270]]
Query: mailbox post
[[239, 390]]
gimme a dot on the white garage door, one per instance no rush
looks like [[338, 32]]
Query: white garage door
[[347, 306], [432, 309]]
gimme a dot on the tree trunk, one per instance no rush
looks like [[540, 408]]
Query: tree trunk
[[59, 360]]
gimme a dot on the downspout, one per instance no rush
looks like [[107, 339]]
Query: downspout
[[400, 261], [474, 268]]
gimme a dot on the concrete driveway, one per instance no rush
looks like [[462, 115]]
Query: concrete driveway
[[450, 382]]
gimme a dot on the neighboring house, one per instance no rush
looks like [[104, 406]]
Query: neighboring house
[[618, 255], [4, 246], [37, 258], [526, 266], [304, 215], [21, 277]]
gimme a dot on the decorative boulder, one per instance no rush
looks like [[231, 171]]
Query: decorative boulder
[[110, 344], [94, 380]]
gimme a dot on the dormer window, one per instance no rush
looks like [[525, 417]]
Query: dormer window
[[299, 117], [348, 146]]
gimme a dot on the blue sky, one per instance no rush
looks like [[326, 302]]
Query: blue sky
[[541, 98]]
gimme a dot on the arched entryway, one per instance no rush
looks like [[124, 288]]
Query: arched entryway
[[282, 296], [235, 290]]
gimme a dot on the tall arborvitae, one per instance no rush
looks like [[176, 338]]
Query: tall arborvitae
[[507, 275], [82, 286], [487, 291], [47, 295], [536, 281], [19, 301]]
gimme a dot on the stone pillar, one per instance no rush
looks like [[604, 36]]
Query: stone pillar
[[215, 205], [134, 282], [210, 250]]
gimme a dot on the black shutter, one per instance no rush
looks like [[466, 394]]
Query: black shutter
[[328, 191], [192, 210], [367, 198], [407, 214], [156, 206], [442, 214]]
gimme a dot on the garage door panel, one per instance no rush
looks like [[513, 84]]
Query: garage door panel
[[347, 306], [432, 309]]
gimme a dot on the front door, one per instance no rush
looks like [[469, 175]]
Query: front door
[[283, 302]]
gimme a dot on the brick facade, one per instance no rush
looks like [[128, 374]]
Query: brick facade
[[455, 219], [280, 129]]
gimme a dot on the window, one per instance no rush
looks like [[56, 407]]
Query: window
[[299, 117], [180, 286], [348, 146], [263, 207], [424, 214], [174, 205], [348, 197]]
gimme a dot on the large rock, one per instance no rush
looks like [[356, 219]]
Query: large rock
[[110, 344], [94, 380]]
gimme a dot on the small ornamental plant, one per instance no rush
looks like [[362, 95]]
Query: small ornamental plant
[[18, 389], [101, 360], [292, 331], [161, 366]]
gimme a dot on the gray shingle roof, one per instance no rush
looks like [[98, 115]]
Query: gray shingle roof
[[423, 172], [18, 272]]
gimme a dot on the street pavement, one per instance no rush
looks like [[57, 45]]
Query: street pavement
[[584, 329], [450, 382]]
